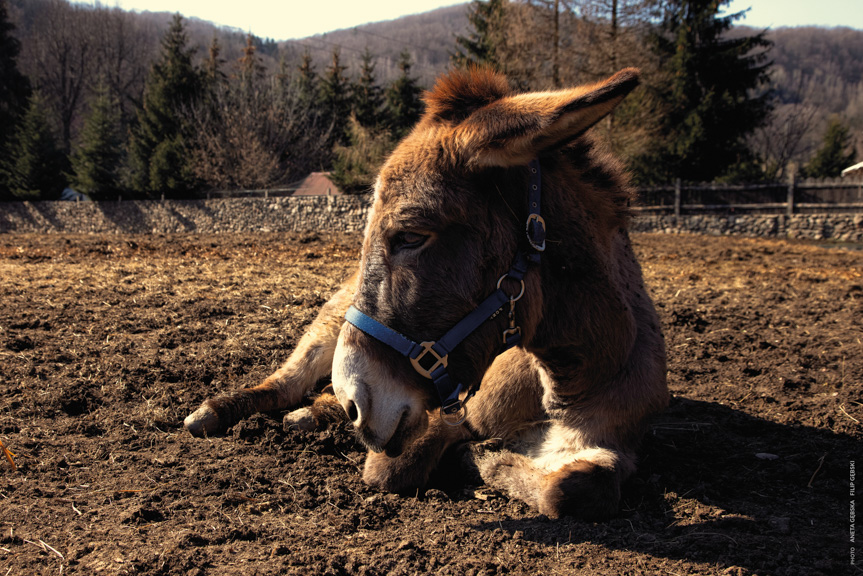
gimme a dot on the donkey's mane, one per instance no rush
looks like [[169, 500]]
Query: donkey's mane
[[458, 94]]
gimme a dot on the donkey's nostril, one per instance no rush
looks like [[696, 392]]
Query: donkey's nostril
[[353, 413]]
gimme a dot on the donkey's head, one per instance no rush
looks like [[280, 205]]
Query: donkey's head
[[447, 222]]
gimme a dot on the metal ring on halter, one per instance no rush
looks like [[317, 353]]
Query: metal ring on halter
[[512, 298], [455, 414]]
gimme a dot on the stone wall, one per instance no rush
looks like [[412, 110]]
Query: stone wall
[[835, 227], [348, 214], [319, 213]]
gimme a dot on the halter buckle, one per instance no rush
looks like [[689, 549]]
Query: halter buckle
[[535, 229], [438, 360]]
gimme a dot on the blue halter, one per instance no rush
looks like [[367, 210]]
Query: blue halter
[[430, 359]]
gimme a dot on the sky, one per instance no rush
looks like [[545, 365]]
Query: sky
[[285, 19], [776, 13]]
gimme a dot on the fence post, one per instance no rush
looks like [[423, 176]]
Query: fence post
[[789, 209], [677, 201]]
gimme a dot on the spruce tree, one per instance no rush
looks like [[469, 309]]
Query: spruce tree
[[836, 152], [36, 164], [356, 166], [14, 92], [213, 76], [307, 80], [98, 156], [404, 106], [334, 99], [251, 71], [707, 98], [158, 144], [479, 47], [283, 74], [367, 98]]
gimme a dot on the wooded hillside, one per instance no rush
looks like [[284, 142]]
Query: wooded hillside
[[429, 37], [818, 66], [820, 69]]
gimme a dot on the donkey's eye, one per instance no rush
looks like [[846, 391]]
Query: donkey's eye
[[408, 240]]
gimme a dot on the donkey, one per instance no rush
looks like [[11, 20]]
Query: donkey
[[498, 305]]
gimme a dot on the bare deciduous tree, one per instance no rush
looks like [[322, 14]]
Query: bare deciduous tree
[[253, 139], [611, 34], [59, 60], [784, 139], [122, 53]]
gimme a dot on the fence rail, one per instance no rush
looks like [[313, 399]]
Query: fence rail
[[797, 196]]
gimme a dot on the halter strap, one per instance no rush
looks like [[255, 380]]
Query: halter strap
[[535, 226], [435, 366]]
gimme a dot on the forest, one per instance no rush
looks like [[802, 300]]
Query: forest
[[147, 105]]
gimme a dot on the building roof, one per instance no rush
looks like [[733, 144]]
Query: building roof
[[855, 172], [317, 184]]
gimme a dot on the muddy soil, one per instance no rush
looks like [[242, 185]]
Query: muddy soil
[[108, 342]]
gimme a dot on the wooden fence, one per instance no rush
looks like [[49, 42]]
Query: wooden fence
[[795, 197]]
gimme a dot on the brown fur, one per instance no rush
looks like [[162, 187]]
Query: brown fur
[[570, 405]]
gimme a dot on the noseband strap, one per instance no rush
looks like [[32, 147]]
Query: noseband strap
[[430, 359]]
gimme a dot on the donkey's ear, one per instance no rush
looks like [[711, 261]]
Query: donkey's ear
[[515, 129]]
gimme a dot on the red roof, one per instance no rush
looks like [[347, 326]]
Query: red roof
[[317, 184]]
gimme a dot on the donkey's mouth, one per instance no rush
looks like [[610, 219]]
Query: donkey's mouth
[[405, 432], [400, 438]]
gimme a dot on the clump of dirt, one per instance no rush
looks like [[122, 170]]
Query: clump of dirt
[[108, 342]]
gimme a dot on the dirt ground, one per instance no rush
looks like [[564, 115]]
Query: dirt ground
[[108, 342]]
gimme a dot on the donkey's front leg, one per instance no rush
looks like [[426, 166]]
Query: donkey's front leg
[[558, 481], [310, 361]]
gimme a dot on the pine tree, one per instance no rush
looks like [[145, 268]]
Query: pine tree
[[213, 75], [307, 79], [251, 71], [836, 152], [14, 92], [707, 96], [404, 106], [157, 146], [283, 75], [98, 156], [479, 47], [367, 98], [36, 164], [356, 166], [334, 99]]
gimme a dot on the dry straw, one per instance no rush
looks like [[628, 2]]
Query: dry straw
[[9, 455]]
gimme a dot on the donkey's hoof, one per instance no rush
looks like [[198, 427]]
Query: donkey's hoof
[[472, 451], [300, 419], [203, 421], [473, 458], [581, 489]]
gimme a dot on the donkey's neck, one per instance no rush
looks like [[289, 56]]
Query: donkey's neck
[[587, 321], [589, 275]]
